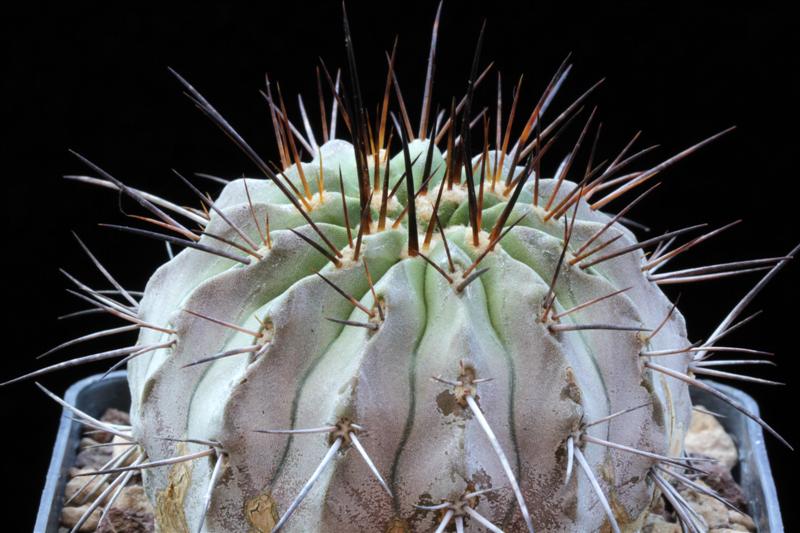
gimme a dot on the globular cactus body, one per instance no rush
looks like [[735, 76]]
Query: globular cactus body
[[419, 432], [410, 340]]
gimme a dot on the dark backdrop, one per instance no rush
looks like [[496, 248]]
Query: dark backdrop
[[95, 80]]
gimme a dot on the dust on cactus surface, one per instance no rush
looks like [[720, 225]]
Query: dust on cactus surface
[[405, 323]]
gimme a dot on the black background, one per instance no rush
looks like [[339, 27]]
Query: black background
[[95, 80]]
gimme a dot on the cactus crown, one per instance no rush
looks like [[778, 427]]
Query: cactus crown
[[402, 339]]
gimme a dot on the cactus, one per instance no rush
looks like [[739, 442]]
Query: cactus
[[411, 338]]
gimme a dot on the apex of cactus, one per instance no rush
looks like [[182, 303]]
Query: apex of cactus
[[398, 333]]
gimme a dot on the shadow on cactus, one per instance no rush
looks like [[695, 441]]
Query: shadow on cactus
[[412, 330]]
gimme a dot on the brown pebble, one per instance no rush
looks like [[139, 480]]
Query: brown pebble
[[119, 521], [721, 481], [96, 435], [71, 515], [93, 458], [740, 519], [92, 490], [116, 451], [656, 524], [115, 416], [131, 513], [714, 512], [86, 442], [706, 436], [134, 498]]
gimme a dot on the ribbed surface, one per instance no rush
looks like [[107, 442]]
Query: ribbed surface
[[422, 441]]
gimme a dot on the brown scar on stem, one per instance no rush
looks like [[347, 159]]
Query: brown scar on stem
[[170, 515], [261, 512]]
